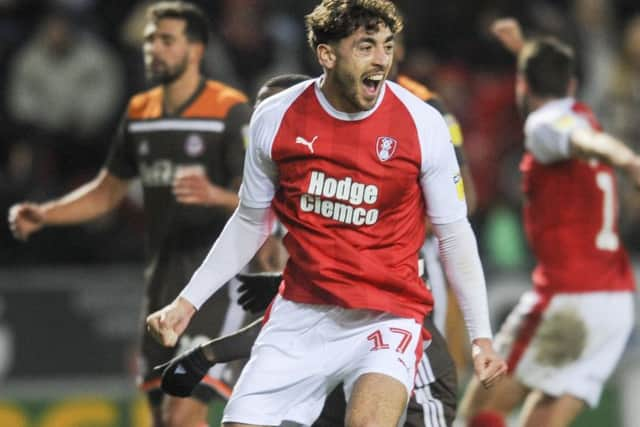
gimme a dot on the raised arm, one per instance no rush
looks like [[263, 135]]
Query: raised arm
[[509, 33], [588, 143]]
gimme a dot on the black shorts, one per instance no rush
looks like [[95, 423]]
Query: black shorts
[[170, 275], [434, 397]]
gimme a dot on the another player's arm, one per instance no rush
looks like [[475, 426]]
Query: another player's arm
[[256, 292], [233, 346], [569, 136], [95, 198], [195, 363], [90, 201], [586, 142], [447, 211], [509, 33]]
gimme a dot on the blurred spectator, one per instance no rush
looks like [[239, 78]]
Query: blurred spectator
[[258, 45], [64, 79], [594, 20]]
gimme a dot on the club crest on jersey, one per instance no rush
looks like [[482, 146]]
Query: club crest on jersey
[[194, 145], [385, 147], [143, 148]]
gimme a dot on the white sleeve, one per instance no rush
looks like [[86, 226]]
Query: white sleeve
[[260, 172], [242, 236], [548, 138], [440, 177], [459, 255]]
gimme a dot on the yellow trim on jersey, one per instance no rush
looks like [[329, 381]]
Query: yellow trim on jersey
[[454, 130], [564, 123], [457, 179]]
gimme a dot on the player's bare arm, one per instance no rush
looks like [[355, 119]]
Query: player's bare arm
[[509, 33], [196, 363], [588, 143], [95, 198]]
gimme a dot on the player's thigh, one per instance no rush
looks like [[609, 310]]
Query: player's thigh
[[574, 344], [384, 354], [544, 410], [376, 400]]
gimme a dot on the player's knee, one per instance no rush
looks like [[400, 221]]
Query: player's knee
[[369, 419], [365, 422]]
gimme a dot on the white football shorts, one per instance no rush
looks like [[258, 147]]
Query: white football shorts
[[568, 343], [305, 350]]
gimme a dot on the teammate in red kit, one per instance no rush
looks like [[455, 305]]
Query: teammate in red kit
[[562, 340], [349, 163]]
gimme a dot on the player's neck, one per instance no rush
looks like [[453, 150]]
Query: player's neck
[[332, 92], [181, 90], [538, 102]]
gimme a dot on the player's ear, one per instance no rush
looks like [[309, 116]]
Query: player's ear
[[326, 56], [197, 52]]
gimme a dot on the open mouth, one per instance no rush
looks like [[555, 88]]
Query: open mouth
[[372, 83]]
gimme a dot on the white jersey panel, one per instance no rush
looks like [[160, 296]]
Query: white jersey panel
[[440, 173], [548, 129], [260, 175]]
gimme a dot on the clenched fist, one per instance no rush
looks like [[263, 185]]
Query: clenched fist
[[487, 364], [25, 219], [168, 323]]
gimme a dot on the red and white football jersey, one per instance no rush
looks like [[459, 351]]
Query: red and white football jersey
[[571, 207], [352, 191]]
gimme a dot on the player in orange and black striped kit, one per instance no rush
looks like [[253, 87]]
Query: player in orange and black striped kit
[[184, 140]]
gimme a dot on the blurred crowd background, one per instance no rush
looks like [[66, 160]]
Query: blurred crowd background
[[68, 67]]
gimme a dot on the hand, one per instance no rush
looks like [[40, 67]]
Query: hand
[[25, 219], [258, 290], [509, 33], [488, 365], [194, 366], [168, 323], [194, 188]]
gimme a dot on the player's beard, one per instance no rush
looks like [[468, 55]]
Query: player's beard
[[347, 86], [167, 74]]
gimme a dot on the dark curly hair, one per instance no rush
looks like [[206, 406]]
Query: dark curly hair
[[197, 24], [548, 66], [333, 20]]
